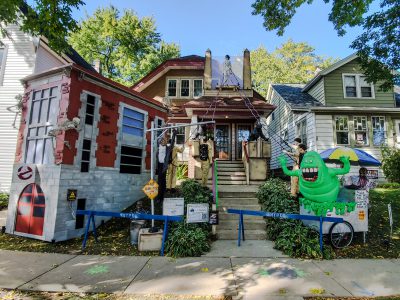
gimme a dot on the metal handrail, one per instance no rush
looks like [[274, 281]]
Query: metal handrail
[[246, 161], [215, 183]]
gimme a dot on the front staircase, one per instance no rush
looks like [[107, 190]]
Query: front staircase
[[234, 193]]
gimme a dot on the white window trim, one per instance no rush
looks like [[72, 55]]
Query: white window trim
[[348, 129], [3, 62], [366, 132], [358, 87], [384, 130], [179, 86], [298, 133], [119, 136]]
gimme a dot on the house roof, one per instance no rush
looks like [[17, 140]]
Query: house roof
[[397, 95], [328, 70], [294, 96], [184, 62]]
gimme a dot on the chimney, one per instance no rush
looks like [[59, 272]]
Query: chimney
[[97, 65], [246, 70], [207, 71]]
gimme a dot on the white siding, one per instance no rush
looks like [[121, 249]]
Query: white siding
[[45, 60], [19, 63], [318, 91]]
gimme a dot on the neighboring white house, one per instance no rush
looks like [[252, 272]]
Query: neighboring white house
[[17, 60], [336, 108]]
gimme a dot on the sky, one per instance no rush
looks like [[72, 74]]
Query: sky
[[228, 27]]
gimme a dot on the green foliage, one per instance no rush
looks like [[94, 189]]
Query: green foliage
[[52, 19], [3, 200], [389, 185], [290, 236], [187, 240], [378, 46], [127, 46], [181, 172], [291, 63], [391, 163], [194, 192]]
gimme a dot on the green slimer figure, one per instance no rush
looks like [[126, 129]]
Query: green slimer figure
[[319, 184]]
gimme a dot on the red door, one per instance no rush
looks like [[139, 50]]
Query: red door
[[30, 210]]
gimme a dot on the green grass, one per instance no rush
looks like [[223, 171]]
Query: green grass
[[379, 244]]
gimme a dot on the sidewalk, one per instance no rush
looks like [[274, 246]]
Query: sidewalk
[[250, 276]]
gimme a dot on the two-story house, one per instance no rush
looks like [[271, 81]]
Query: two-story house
[[338, 107]]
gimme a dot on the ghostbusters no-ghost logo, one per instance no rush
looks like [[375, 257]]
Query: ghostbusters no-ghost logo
[[24, 172]]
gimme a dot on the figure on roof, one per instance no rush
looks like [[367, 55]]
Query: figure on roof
[[227, 71]]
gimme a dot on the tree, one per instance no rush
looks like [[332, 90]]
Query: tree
[[128, 47], [290, 63], [50, 18], [378, 47]]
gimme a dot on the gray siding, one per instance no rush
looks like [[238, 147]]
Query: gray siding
[[45, 60], [20, 62], [318, 91]]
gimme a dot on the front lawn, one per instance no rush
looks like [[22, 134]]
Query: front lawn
[[378, 243]]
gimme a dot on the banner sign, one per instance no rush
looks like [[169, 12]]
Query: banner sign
[[197, 213]]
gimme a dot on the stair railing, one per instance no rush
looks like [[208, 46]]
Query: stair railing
[[215, 183], [246, 161]]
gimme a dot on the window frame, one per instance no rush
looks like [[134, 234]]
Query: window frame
[[355, 131], [300, 125], [178, 80], [3, 62], [336, 130], [176, 88], [384, 131], [202, 88], [358, 86]]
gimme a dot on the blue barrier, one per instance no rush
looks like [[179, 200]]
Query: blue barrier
[[281, 216], [132, 216]]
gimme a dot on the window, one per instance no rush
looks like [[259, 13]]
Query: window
[[342, 130], [302, 131], [131, 160], [185, 87], [133, 122], [85, 159], [180, 135], [360, 131], [43, 117], [90, 105], [197, 88], [285, 135], [378, 130], [3, 55], [356, 86], [172, 87]]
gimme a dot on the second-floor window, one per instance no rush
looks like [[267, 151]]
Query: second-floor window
[[172, 87], [356, 86], [342, 130], [184, 88]]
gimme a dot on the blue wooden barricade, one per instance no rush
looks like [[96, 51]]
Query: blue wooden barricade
[[132, 216], [281, 216]]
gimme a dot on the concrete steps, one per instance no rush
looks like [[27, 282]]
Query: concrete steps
[[250, 234], [248, 224]]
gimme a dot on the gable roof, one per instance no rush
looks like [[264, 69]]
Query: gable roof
[[328, 70], [294, 96], [184, 62]]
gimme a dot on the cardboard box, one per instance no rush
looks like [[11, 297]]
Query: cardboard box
[[149, 241]]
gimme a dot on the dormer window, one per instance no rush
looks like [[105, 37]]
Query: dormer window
[[184, 87], [356, 86], [172, 87]]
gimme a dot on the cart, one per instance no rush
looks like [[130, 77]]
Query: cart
[[341, 234]]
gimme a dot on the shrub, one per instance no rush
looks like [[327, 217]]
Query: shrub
[[187, 240], [292, 237], [391, 163], [3, 200], [389, 185], [190, 239], [181, 172]]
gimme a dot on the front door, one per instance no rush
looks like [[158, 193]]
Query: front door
[[222, 142], [242, 134], [397, 131], [30, 210]]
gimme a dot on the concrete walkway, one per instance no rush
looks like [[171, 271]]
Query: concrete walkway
[[245, 274]]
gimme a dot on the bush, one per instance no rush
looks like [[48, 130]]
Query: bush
[[292, 237], [3, 200], [187, 240], [181, 172], [389, 185], [391, 163], [190, 239]]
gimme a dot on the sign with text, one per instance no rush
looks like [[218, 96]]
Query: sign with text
[[197, 213], [173, 207], [72, 194], [372, 174], [151, 189], [361, 198], [214, 217]]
